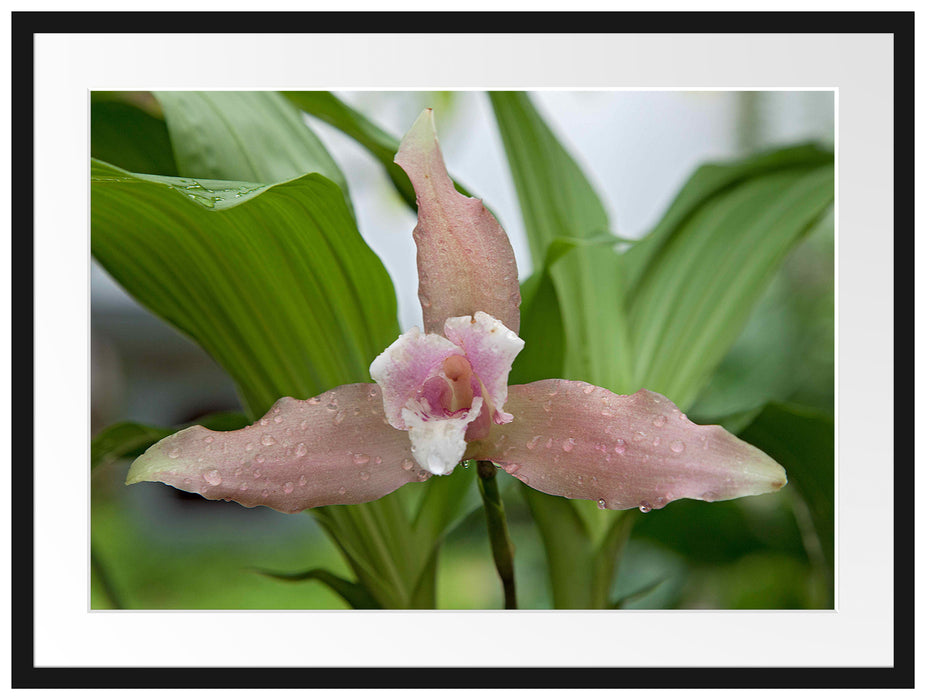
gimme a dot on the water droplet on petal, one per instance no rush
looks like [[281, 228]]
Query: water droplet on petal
[[249, 447], [265, 493], [174, 452], [302, 480], [314, 401], [364, 476], [645, 507], [659, 421], [268, 440], [264, 422], [259, 459], [602, 504], [243, 487], [278, 419], [378, 460], [361, 458], [339, 417], [342, 490], [333, 406], [620, 447], [677, 446], [425, 302], [548, 406], [208, 439], [532, 443], [549, 443], [569, 444], [257, 473], [589, 388], [288, 487], [301, 449], [213, 477], [407, 464], [656, 442], [607, 414]]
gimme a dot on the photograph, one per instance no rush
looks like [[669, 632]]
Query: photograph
[[462, 349]]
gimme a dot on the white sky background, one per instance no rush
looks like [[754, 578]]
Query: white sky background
[[637, 148]]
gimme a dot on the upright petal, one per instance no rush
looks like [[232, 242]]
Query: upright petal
[[403, 369], [490, 349], [465, 260], [580, 441], [336, 448]]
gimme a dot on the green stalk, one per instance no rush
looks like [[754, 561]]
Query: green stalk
[[502, 549]]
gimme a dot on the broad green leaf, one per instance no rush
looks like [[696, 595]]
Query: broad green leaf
[[127, 136], [557, 202], [243, 136], [785, 352], [128, 439], [542, 327], [708, 181], [274, 282], [353, 593], [701, 282]]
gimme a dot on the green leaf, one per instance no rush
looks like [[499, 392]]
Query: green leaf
[[542, 331], [274, 282], [243, 136], [127, 136], [129, 439], [381, 144], [803, 441], [446, 501], [708, 181], [558, 202], [568, 549], [700, 272], [785, 352], [353, 593], [542, 327]]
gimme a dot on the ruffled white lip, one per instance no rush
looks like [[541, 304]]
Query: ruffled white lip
[[438, 444]]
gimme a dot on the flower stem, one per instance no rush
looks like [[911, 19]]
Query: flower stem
[[502, 549]]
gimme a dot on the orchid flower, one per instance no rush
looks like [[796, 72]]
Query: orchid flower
[[442, 396]]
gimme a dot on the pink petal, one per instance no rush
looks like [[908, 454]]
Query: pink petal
[[490, 349], [580, 441], [336, 448], [404, 368], [465, 261]]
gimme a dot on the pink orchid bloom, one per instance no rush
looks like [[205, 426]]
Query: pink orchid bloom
[[442, 396]]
